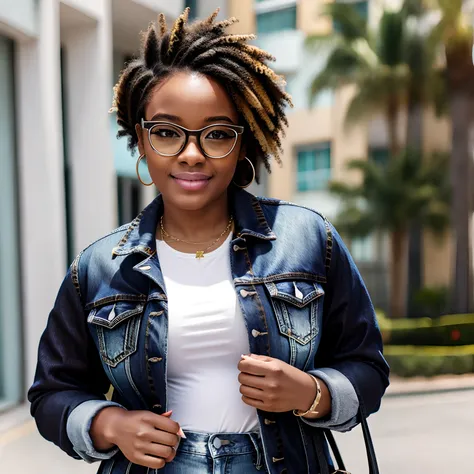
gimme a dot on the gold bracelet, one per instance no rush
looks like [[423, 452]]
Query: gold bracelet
[[312, 408]]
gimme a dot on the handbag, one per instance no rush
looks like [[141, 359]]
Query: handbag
[[327, 435]]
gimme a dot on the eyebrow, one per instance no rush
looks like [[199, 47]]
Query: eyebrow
[[175, 118]]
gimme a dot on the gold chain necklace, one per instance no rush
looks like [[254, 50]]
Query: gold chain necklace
[[199, 253]]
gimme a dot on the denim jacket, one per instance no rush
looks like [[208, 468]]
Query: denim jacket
[[302, 298]]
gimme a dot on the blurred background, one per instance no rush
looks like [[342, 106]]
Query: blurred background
[[380, 141]]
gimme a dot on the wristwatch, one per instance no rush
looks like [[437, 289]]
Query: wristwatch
[[312, 409]]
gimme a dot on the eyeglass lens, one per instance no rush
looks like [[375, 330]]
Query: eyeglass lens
[[216, 141]]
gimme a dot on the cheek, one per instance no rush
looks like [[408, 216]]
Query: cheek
[[158, 167], [226, 167]]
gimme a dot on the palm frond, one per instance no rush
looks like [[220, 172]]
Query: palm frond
[[338, 70], [410, 188], [350, 23], [391, 38]]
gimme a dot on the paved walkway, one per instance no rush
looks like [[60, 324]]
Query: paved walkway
[[23, 451], [421, 385]]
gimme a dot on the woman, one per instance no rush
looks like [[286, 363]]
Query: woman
[[232, 328]]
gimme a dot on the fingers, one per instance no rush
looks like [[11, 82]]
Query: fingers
[[252, 380], [251, 392], [253, 403], [253, 366], [163, 423]]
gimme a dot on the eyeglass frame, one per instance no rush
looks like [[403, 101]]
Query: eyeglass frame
[[149, 124]]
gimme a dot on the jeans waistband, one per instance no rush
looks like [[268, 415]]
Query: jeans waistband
[[221, 444]]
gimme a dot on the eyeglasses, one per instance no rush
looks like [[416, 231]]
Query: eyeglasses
[[215, 141]]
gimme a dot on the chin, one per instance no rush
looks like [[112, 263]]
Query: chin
[[191, 203]]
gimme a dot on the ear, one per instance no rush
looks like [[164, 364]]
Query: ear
[[141, 144]]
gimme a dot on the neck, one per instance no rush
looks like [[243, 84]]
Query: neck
[[196, 225]]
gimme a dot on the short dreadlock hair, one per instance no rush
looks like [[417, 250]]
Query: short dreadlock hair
[[204, 47]]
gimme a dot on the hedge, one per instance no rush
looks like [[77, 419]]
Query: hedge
[[428, 361], [450, 330]]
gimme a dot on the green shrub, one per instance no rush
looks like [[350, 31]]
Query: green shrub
[[450, 330], [431, 302], [428, 361]]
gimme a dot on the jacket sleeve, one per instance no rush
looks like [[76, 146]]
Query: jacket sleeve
[[350, 357], [68, 373]]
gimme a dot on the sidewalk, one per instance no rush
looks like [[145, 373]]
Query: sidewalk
[[23, 450], [422, 385]]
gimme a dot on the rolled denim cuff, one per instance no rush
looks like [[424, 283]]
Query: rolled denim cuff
[[78, 430], [344, 401]]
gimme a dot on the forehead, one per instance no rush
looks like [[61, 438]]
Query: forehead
[[192, 97]]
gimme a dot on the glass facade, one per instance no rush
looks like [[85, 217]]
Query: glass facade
[[313, 167], [362, 8], [277, 20], [11, 361], [379, 155]]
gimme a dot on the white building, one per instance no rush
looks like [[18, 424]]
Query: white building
[[64, 178]]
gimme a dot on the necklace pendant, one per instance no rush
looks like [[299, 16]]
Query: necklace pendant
[[200, 254]]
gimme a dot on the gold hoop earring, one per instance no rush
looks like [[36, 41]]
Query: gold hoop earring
[[140, 158], [253, 176]]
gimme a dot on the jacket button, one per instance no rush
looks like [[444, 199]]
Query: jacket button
[[157, 406], [256, 333], [277, 459], [269, 422], [155, 359]]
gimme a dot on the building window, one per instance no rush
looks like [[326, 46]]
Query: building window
[[11, 350], [277, 20], [192, 4], [314, 168], [361, 7], [379, 155], [128, 194], [362, 249]]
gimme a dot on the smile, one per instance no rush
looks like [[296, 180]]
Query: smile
[[191, 181]]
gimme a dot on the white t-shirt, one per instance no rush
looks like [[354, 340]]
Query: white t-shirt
[[206, 337]]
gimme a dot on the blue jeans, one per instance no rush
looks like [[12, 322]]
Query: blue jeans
[[227, 453]]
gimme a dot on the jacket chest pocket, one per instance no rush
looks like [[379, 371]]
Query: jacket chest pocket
[[297, 305], [117, 326]]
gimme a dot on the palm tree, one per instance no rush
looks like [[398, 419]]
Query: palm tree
[[425, 80], [393, 68], [454, 31], [374, 62], [391, 198]]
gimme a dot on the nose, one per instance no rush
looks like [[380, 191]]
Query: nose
[[191, 154]]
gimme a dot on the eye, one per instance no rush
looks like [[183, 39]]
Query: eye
[[220, 134], [165, 132]]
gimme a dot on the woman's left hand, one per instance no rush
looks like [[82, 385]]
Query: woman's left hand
[[274, 386]]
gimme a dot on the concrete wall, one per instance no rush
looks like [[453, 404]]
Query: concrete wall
[[88, 60], [40, 161], [310, 20], [244, 12], [18, 19]]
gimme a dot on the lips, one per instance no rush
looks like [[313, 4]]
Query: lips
[[191, 181]]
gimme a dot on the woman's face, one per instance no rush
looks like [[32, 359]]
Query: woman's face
[[190, 180]]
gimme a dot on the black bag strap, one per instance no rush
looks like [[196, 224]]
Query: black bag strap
[[371, 457]]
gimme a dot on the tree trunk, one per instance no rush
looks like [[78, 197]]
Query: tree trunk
[[415, 245], [392, 126], [398, 273], [461, 158]]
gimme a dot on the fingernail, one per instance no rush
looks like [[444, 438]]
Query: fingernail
[[181, 433], [168, 413]]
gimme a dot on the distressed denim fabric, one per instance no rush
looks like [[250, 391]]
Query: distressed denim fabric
[[302, 298]]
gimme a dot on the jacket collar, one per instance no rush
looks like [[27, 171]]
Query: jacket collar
[[248, 214]]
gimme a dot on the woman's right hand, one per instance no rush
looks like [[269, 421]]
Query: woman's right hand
[[144, 438]]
